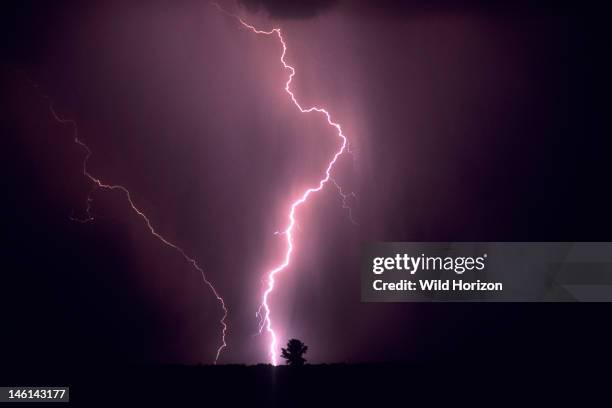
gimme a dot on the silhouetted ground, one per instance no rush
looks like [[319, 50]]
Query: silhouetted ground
[[408, 384]]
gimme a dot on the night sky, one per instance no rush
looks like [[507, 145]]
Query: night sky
[[467, 122]]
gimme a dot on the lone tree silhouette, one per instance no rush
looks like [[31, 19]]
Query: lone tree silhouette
[[294, 352]]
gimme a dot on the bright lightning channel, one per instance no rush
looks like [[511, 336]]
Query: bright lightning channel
[[288, 231]]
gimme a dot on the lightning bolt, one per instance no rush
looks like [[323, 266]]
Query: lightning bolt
[[289, 229], [345, 197], [99, 184]]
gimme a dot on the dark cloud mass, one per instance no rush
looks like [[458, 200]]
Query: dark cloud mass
[[392, 9], [289, 9]]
